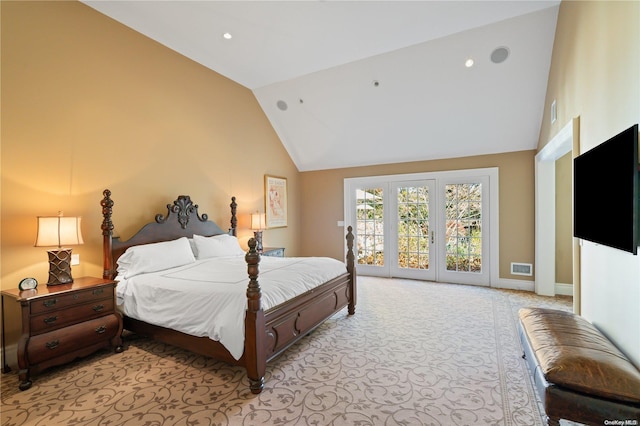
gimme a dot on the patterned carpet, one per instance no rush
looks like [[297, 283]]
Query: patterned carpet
[[415, 353]]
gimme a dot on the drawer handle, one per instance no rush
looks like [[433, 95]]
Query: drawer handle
[[50, 320], [101, 329], [98, 291], [49, 303], [98, 308], [53, 344]]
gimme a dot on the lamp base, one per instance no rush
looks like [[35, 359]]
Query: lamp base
[[59, 267], [258, 236]]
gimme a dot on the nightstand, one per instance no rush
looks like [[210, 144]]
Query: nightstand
[[57, 324], [273, 251]]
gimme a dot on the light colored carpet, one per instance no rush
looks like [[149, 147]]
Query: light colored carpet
[[415, 353]]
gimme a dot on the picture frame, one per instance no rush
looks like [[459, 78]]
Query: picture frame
[[275, 201]]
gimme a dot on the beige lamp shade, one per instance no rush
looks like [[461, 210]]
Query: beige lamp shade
[[58, 231], [258, 221]]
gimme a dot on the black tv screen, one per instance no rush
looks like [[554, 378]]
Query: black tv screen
[[606, 197]]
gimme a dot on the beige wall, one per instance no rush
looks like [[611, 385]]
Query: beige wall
[[595, 75], [89, 104], [564, 219], [322, 203]]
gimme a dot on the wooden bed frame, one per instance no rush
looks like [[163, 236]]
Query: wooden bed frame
[[267, 334]]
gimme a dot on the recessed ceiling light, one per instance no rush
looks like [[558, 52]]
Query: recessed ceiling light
[[282, 105], [468, 63], [227, 36]]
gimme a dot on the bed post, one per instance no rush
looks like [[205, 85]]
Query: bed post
[[254, 348], [234, 219], [107, 233], [351, 268]]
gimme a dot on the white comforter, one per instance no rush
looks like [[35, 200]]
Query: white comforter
[[208, 297]]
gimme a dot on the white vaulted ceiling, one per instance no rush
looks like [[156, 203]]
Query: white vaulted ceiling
[[350, 83]]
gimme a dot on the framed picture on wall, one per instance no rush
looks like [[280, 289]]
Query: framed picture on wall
[[275, 199]]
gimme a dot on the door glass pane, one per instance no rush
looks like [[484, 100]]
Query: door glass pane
[[463, 227], [370, 226], [413, 227]]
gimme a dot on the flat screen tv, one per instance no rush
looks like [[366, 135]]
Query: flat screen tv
[[606, 195]]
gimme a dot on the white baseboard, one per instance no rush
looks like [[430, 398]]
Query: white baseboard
[[512, 284], [561, 289], [526, 285], [564, 289]]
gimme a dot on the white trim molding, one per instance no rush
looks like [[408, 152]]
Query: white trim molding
[[512, 284], [564, 289], [545, 206]]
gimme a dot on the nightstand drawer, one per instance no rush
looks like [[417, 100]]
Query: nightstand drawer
[[53, 320], [59, 301], [56, 343]]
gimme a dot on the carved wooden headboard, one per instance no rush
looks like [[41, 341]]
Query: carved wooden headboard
[[182, 220]]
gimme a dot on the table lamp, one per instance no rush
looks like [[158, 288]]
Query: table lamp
[[58, 231], [258, 223]]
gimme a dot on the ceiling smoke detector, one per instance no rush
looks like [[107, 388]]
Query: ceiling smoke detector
[[499, 55]]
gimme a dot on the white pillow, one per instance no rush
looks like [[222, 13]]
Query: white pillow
[[194, 249], [155, 257], [217, 246]]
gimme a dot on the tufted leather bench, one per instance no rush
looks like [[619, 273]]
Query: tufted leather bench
[[578, 373]]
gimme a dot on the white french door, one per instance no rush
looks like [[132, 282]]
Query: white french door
[[412, 251], [429, 226], [464, 249]]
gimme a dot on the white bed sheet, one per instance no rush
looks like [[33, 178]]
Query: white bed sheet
[[208, 297]]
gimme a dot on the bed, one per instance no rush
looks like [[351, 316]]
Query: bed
[[269, 324]]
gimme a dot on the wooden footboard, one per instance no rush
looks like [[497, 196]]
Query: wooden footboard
[[285, 324], [267, 334]]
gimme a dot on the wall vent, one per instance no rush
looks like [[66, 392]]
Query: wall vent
[[521, 268]]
